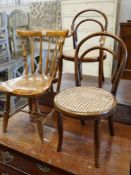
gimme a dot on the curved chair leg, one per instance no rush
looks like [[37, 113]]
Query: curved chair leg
[[97, 142], [6, 113], [111, 127], [60, 131]]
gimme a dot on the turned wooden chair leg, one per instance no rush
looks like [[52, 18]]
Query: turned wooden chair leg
[[6, 113], [40, 130], [60, 131], [97, 142], [111, 127]]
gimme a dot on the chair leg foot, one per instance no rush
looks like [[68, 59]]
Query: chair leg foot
[[111, 127], [60, 131], [6, 113], [97, 142]]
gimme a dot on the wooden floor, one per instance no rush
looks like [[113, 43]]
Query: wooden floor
[[77, 152]]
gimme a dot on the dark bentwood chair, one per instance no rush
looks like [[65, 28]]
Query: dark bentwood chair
[[91, 103], [84, 18], [40, 80]]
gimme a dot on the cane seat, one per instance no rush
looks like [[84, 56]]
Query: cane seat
[[86, 102]]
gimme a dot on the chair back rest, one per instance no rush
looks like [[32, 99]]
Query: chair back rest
[[46, 47], [102, 49], [4, 39], [17, 19], [3, 20], [88, 15]]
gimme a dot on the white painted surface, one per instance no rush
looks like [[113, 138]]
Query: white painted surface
[[125, 10]]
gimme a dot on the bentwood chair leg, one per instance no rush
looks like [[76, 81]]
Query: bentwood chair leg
[[97, 142], [80, 70], [40, 130], [60, 74], [82, 122], [100, 75], [111, 127], [60, 131], [30, 101], [103, 78], [6, 113]]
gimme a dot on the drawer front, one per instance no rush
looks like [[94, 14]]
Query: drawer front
[[27, 164], [5, 170], [10, 158], [126, 31]]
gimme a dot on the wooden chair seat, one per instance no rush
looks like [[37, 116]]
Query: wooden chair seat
[[25, 86], [86, 102], [70, 55]]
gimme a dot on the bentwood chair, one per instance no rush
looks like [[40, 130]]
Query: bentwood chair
[[91, 103], [40, 80], [86, 18]]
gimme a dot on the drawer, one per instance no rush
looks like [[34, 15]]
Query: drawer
[[6, 170], [27, 164], [125, 31]]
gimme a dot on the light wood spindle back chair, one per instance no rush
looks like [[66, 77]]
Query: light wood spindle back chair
[[40, 80], [86, 18], [91, 103]]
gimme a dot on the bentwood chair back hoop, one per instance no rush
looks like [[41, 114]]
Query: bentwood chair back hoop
[[75, 25], [85, 18], [119, 62], [91, 103], [36, 81]]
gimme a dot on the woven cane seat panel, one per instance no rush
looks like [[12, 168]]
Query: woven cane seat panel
[[85, 100]]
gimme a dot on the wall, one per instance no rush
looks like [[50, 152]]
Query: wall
[[125, 10], [8, 9]]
